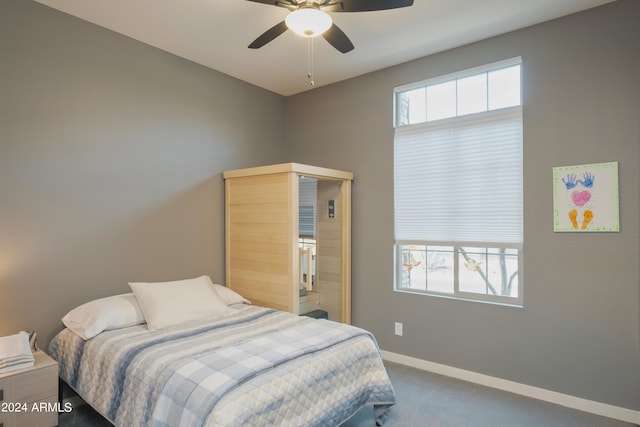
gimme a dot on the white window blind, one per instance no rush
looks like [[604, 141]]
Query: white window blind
[[459, 180]]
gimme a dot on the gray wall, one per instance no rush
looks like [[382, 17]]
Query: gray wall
[[111, 155], [579, 329]]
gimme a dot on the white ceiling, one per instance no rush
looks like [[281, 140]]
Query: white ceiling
[[216, 33]]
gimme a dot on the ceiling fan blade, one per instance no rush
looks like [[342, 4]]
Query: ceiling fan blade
[[289, 4], [364, 5], [338, 39], [268, 35]]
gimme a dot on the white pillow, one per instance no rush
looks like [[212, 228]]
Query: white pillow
[[89, 319], [169, 303], [228, 296]]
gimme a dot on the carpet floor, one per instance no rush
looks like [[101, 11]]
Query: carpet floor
[[431, 400]]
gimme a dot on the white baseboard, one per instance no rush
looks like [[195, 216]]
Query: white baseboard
[[598, 408]]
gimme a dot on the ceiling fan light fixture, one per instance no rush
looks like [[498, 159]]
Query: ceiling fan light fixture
[[308, 21]]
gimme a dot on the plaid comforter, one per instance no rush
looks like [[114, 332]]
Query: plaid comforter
[[255, 367]]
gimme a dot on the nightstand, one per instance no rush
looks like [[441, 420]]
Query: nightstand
[[29, 396]]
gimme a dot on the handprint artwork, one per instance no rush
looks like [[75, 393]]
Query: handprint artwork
[[580, 199], [586, 197]]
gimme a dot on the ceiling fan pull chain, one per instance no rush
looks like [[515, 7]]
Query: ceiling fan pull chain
[[310, 61]]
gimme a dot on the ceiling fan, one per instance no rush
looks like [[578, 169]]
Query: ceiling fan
[[309, 18]]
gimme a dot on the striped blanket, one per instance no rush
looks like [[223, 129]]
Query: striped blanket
[[254, 367]]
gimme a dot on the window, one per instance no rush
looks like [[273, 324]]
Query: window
[[458, 185]]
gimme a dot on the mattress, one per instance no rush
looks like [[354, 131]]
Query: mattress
[[254, 367]]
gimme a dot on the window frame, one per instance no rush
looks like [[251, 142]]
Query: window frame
[[399, 245], [494, 66], [457, 293]]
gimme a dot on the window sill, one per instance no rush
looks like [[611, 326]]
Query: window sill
[[515, 304]]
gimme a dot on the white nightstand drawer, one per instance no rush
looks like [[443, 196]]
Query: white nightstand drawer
[[36, 385], [6, 419], [42, 418]]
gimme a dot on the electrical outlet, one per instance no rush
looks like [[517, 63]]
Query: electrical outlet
[[399, 329]]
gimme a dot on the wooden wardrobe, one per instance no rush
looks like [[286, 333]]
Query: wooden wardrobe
[[288, 238]]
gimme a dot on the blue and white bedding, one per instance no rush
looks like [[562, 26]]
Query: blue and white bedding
[[254, 367]]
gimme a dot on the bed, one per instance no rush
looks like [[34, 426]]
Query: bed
[[249, 366]]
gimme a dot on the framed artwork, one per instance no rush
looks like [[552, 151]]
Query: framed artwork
[[585, 198]]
